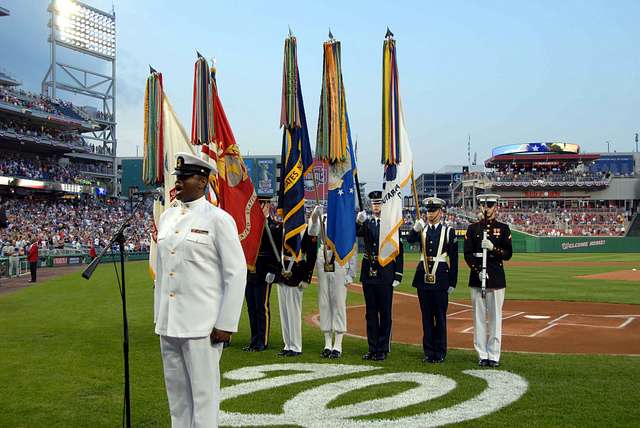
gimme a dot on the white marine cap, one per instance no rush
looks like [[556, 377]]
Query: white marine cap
[[488, 197], [433, 201], [189, 164]]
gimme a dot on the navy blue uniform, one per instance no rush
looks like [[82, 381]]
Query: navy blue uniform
[[258, 291], [378, 289], [434, 298]]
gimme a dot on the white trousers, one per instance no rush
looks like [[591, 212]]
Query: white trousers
[[290, 303], [332, 299], [192, 378], [487, 322]]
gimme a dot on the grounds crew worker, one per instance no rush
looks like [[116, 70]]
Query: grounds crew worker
[[258, 291], [377, 282], [439, 248], [487, 310], [294, 278], [333, 281], [200, 281]]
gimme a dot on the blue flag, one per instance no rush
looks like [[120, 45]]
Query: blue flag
[[296, 161], [341, 224]]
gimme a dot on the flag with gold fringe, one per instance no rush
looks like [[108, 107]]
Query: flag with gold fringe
[[297, 158], [396, 156], [334, 146]]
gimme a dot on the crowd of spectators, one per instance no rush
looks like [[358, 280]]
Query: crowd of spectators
[[49, 168], [528, 178], [556, 221], [38, 132], [71, 224], [30, 100]]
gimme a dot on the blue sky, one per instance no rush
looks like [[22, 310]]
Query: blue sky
[[503, 71]]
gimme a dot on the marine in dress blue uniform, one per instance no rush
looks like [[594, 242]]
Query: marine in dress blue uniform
[[259, 283], [487, 304], [377, 282], [436, 278]]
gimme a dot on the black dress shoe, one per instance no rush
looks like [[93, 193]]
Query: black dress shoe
[[259, 348], [380, 356], [284, 353], [427, 359], [326, 353], [335, 354], [483, 363], [368, 356], [293, 354], [438, 360], [492, 363], [248, 348]]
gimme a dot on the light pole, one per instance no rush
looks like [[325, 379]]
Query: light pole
[[607, 145]]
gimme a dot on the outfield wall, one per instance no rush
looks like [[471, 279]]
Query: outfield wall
[[524, 243]]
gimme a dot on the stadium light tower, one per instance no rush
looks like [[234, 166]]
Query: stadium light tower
[[85, 30]]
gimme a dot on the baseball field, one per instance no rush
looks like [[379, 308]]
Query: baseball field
[[571, 357]]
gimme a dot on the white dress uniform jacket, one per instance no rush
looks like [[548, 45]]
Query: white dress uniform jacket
[[201, 273]]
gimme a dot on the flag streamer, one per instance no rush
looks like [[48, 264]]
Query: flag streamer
[[153, 163], [331, 142], [390, 105], [334, 146], [297, 158]]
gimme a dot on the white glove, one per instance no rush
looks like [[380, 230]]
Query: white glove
[[395, 284], [486, 244], [361, 217], [418, 226], [317, 213], [483, 274], [270, 277], [450, 290], [303, 285], [347, 280]]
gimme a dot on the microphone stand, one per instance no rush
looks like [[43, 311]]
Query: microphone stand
[[120, 238]]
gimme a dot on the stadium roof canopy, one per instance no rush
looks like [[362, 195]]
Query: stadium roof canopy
[[542, 157]]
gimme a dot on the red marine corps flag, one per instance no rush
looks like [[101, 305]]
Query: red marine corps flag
[[235, 192]]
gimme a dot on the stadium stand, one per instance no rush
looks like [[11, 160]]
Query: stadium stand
[[71, 224], [553, 190]]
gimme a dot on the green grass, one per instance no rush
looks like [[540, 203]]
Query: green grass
[[60, 356], [551, 282]]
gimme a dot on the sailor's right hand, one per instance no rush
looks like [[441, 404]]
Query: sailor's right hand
[[483, 276], [270, 277], [361, 217], [418, 226]]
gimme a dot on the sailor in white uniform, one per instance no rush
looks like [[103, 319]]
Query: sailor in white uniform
[[199, 290]]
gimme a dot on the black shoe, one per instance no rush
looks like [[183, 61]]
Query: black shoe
[[427, 359], [493, 364], [483, 363], [326, 353], [438, 360], [248, 348], [259, 348], [380, 356], [335, 354], [284, 353], [368, 356], [293, 354]]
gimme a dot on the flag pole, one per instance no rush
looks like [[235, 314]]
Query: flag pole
[[415, 195]]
